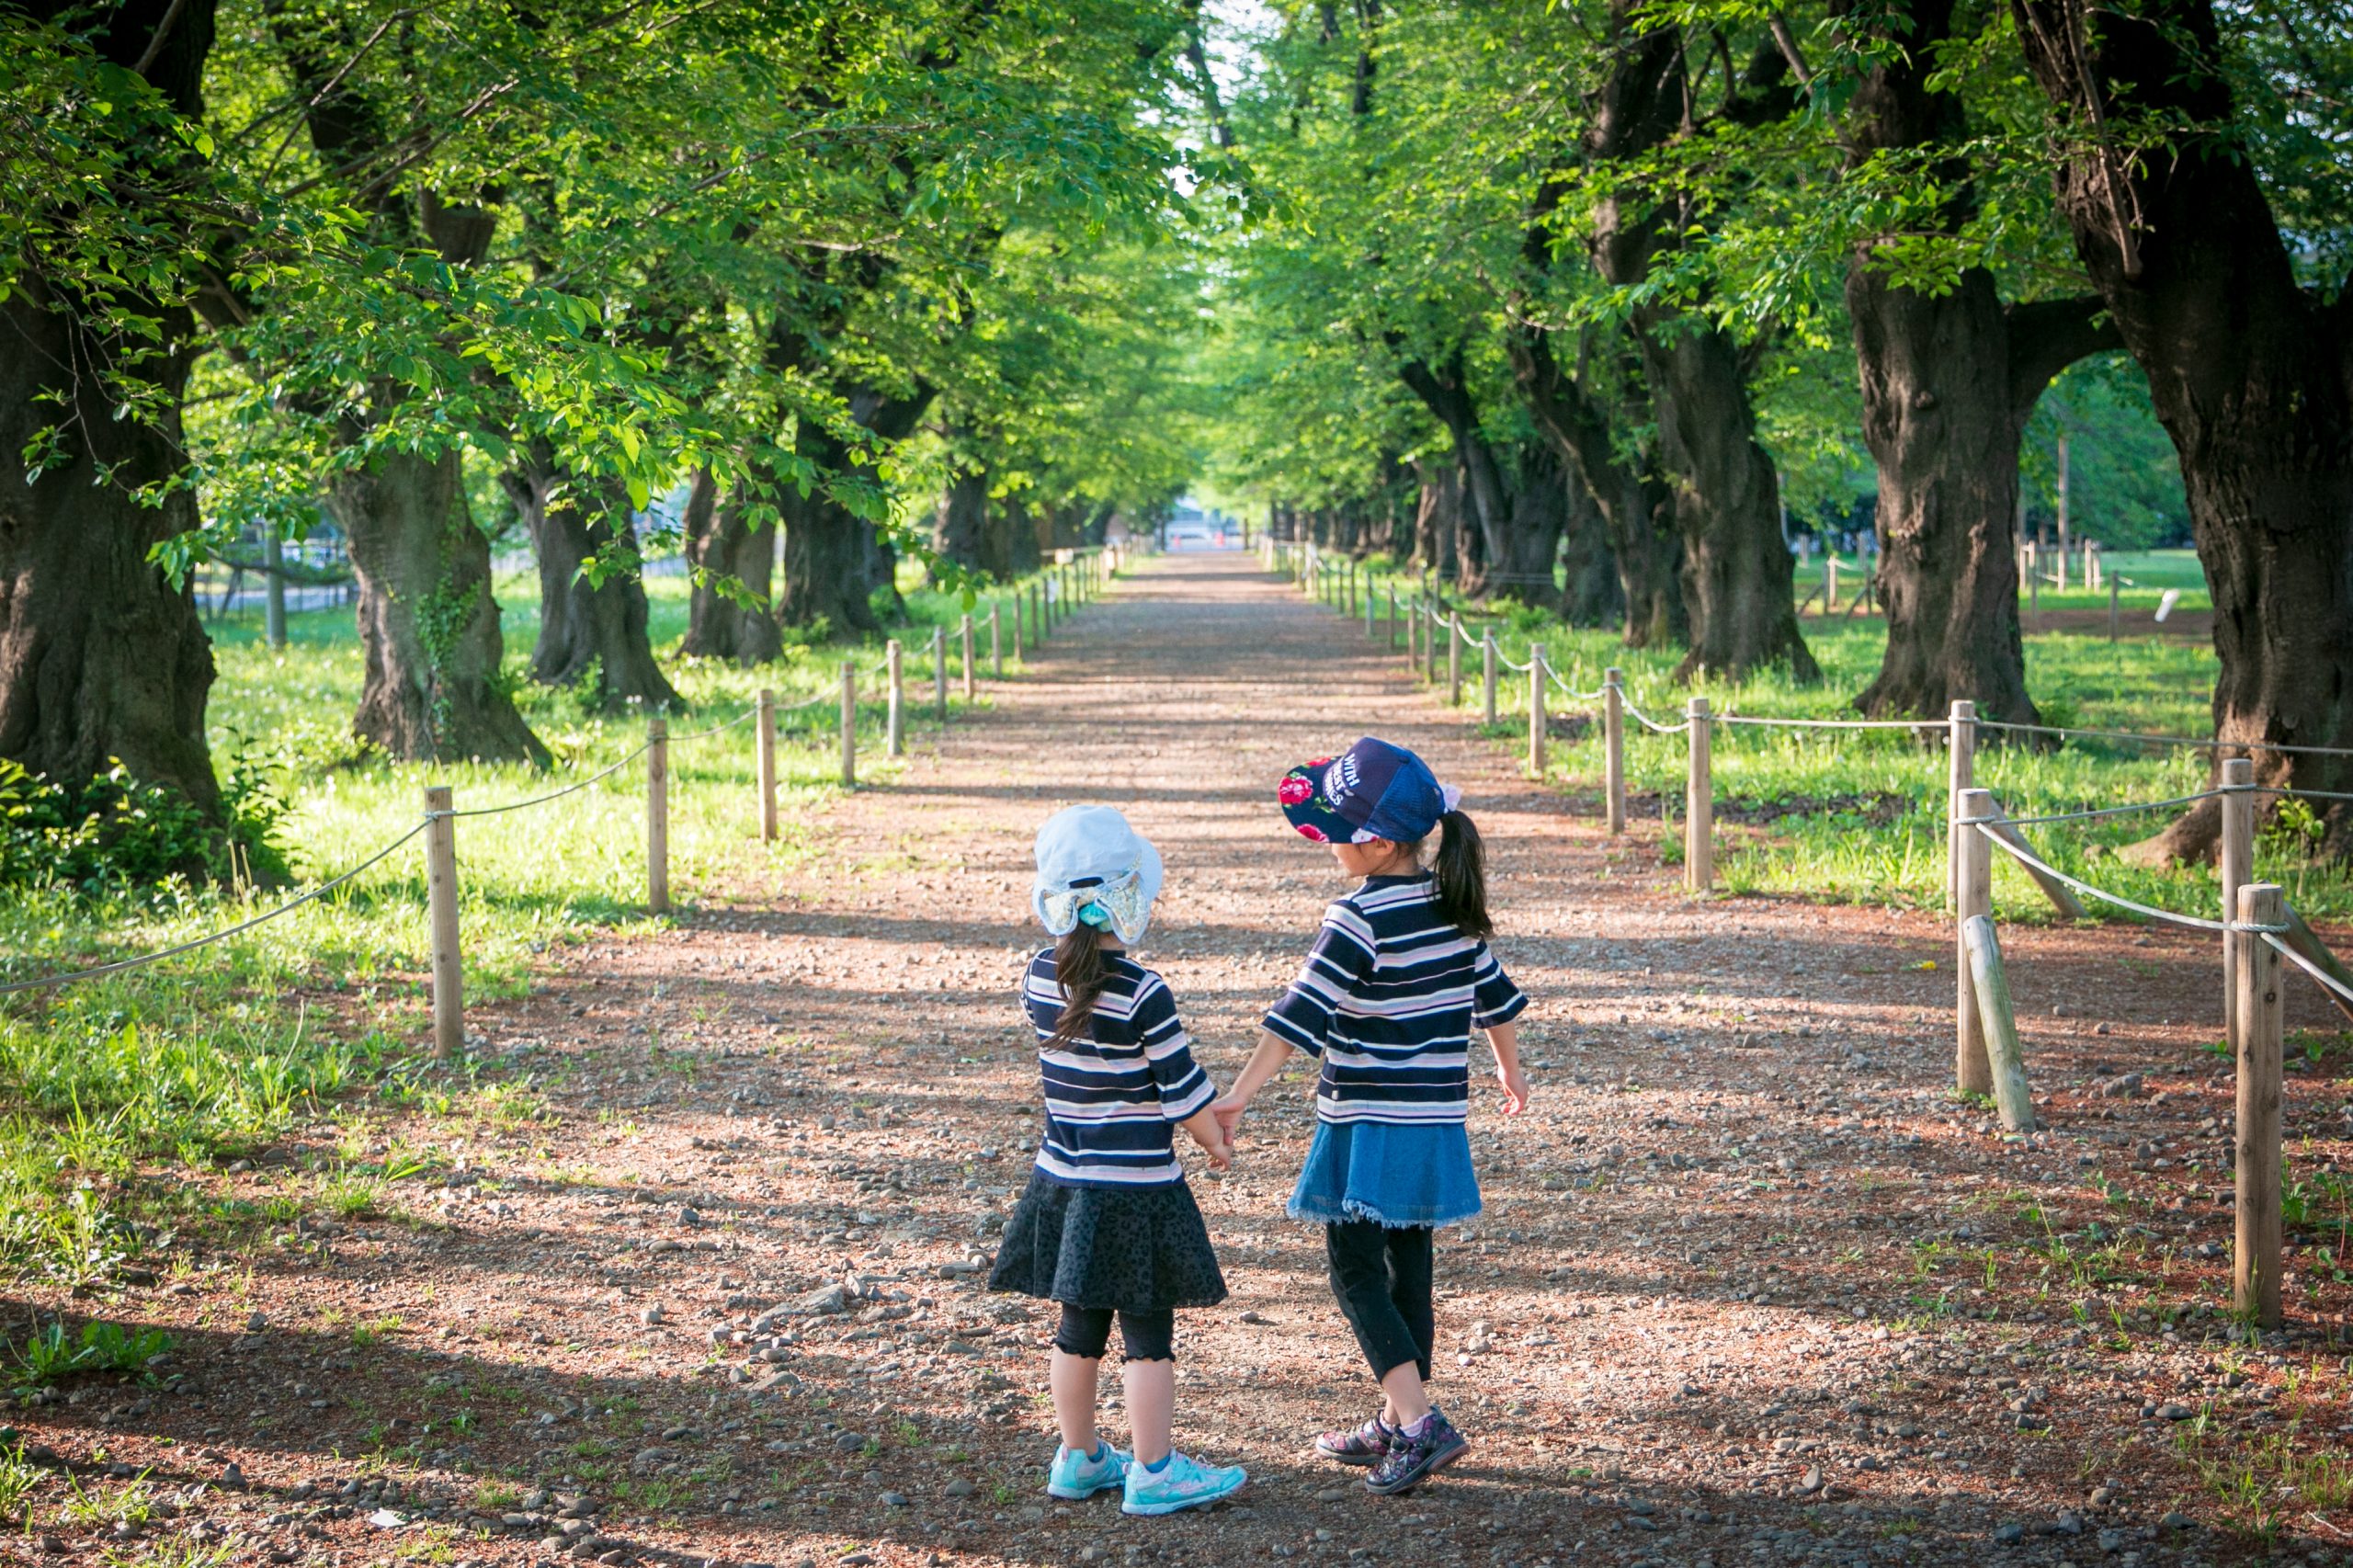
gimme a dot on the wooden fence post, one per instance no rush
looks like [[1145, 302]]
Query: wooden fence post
[[969, 690], [849, 726], [1535, 710], [1995, 1014], [766, 752], [1414, 638], [996, 645], [1613, 742], [2111, 609], [1960, 745], [2254, 1260], [441, 909], [1432, 624], [1829, 582], [658, 814], [2033, 587], [2236, 864], [1699, 804], [1370, 609], [894, 723], [939, 672], [1349, 589], [1454, 659], [1973, 894], [1487, 674]]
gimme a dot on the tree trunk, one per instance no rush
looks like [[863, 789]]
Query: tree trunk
[[960, 521], [1487, 511], [834, 561], [1523, 569], [2251, 375], [433, 690], [1011, 540], [722, 541], [1947, 381], [1636, 507], [1437, 515], [1593, 596], [100, 657], [589, 631], [1736, 570]]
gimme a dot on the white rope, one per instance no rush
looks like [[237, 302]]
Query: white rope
[[1508, 663], [2119, 810], [2033, 862], [2166, 739], [1834, 723], [1592, 696], [1647, 722], [699, 735], [555, 794], [286, 908], [2299, 794], [2318, 973]]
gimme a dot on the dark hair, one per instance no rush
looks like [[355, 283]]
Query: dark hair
[[1459, 875], [1080, 970]]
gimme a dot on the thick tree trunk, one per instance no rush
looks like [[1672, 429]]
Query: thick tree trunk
[[1736, 570], [1486, 511], [589, 631], [722, 541], [433, 690], [1592, 594], [1635, 506], [2251, 375], [834, 561], [1011, 540], [1437, 517], [960, 521], [100, 657], [1523, 570], [1947, 381]]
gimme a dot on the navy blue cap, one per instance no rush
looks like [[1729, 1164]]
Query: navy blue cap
[[1371, 790]]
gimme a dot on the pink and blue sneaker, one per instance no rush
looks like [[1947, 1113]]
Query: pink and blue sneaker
[[1179, 1482], [1080, 1476]]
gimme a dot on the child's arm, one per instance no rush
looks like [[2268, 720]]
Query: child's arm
[[1209, 1134], [1504, 1038], [1264, 1063]]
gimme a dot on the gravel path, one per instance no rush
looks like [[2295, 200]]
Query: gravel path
[[1751, 1287]]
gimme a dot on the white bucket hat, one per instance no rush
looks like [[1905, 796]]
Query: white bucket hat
[[1092, 866]]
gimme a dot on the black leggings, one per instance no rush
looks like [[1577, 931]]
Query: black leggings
[[1382, 1278], [1144, 1336]]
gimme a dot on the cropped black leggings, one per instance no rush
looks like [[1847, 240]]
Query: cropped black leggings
[[1383, 1279], [1144, 1336]]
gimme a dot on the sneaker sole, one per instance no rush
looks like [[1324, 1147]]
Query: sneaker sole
[[1079, 1493], [1437, 1462], [1153, 1510], [1348, 1458]]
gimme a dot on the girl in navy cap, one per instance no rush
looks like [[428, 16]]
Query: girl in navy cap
[[1108, 1224], [1399, 977]]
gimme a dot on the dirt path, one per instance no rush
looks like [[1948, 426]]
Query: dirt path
[[1751, 1287]]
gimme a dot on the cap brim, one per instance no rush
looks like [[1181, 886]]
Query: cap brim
[[1311, 815]]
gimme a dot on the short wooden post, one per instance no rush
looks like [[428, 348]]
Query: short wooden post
[[1973, 894], [1535, 710], [894, 723], [1454, 659], [2254, 1261], [939, 672], [441, 910], [766, 754], [273, 603], [1487, 672], [2033, 590], [849, 726], [1348, 590], [1613, 742], [1699, 804], [996, 645], [968, 688], [2236, 866], [1961, 756], [1370, 607], [1393, 615], [658, 814], [1433, 623], [1829, 581], [1414, 638], [2111, 609], [1018, 618], [2006, 1060]]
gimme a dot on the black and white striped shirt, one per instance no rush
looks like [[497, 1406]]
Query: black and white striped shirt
[[1113, 1096], [1388, 999]]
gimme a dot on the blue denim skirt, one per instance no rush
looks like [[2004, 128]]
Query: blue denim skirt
[[1398, 1176]]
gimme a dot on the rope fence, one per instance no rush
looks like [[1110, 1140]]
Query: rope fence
[[1078, 577]]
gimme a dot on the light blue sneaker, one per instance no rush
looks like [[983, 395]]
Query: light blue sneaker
[[1077, 1476], [1183, 1484]]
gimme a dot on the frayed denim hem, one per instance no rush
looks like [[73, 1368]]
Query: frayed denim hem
[[1410, 1220]]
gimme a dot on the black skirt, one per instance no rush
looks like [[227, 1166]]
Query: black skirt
[[1139, 1249]]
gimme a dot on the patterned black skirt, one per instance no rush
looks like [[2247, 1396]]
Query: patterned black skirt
[[1140, 1249]]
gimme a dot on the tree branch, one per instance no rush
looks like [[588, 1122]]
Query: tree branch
[[2048, 335]]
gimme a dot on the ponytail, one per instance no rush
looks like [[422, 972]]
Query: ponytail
[[1080, 969], [1459, 876]]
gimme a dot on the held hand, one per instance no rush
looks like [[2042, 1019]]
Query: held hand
[[1228, 1112], [1515, 1083], [1214, 1143]]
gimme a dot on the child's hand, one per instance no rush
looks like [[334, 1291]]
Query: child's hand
[[1515, 1083], [1210, 1134], [1228, 1112]]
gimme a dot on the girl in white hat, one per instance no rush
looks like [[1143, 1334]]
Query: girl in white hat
[[1106, 1224]]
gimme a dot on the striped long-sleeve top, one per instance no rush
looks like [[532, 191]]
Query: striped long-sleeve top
[[1114, 1095], [1388, 999]]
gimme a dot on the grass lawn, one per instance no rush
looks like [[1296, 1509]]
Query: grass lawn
[[105, 1084]]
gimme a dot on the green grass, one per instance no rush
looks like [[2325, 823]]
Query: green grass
[[1859, 816], [118, 1085]]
